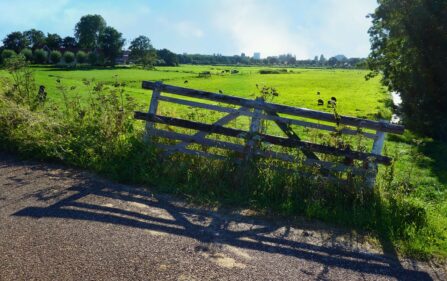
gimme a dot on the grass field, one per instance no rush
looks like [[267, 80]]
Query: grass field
[[355, 96], [420, 175]]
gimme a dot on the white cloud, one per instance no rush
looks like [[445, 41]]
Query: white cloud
[[331, 27], [186, 29], [256, 26]]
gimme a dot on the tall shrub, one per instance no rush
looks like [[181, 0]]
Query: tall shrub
[[69, 57], [55, 57], [28, 54], [6, 54], [40, 56], [81, 57]]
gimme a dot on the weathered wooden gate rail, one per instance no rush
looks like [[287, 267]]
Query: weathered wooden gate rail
[[260, 110]]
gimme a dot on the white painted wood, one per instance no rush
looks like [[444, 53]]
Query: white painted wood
[[153, 109], [255, 129], [377, 148]]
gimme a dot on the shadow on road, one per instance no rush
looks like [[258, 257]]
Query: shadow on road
[[206, 227]]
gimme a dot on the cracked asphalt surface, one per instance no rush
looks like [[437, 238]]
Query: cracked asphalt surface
[[58, 223]]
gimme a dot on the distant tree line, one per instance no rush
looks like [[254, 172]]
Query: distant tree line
[[94, 42], [339, 61]]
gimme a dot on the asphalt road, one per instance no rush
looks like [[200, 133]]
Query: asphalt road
[[57, 223]]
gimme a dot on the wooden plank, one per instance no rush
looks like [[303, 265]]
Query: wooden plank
[[291, 134], [303, 112], [198, 104], [377, 148], [192, 139], [276, 118], [239, 148], [153, 108], [222, 121], [266, 138], [335, 167], [255, 129]]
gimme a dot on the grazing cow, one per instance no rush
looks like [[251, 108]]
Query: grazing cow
[[320, 102], [333, 99], [186, 82], [331, 103]]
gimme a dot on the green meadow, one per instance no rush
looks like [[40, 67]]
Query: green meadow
[[298, 87], [419, 174]]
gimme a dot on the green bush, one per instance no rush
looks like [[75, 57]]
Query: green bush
[[40, 56], [55, 57], [69, 57], [6, 54], [81, 57], [273, 71], [28, 54]]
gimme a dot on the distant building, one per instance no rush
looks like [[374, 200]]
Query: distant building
[[243, 55], [257, 56]]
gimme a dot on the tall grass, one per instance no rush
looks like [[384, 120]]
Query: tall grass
[[101, 135]]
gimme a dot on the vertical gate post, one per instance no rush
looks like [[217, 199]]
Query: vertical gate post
[[153, 109], [255, 128], [373, 167]]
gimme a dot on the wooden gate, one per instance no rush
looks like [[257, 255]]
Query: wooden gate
[[258, 110]]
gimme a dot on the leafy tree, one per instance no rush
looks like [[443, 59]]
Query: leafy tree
[[142, 51], [409, 49], [333, 61], [69, 43], [40, 56], [35, 38], [15, 41], [88, 29], [69, 57], [149, 59], [54, 41], [55, 57], [28, 54], [322, 60], [6, 54], [81, 57], [111, 43], [168, 57]]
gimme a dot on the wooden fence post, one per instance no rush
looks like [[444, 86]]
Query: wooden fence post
[[255, 128], [152, 109], [372, 166]]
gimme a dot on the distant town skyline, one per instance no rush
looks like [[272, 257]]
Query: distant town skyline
[[228, 27]]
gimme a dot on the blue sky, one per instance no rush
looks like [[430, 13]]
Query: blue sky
[[302, 27]]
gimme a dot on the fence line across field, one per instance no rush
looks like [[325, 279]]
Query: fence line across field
[[258, 110]]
